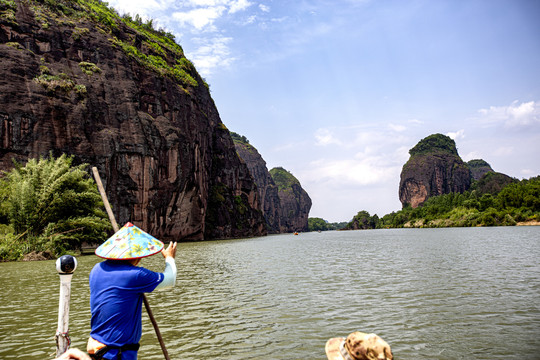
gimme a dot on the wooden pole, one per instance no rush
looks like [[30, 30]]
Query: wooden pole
[[115, 228], [65, 265], [104, 198]]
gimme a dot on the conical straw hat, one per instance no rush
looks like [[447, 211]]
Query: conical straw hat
[[129, 243]]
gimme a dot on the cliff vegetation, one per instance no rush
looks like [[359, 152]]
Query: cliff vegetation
[[267, 189], [50, 207], [518, 202], [478, 168], [285, 204], [434, 143], [434, 168], [114, 92], [283, 178], [319, 224], [295, 202], [437, 189]]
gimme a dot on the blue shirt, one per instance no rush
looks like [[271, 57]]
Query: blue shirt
[[116, 297]]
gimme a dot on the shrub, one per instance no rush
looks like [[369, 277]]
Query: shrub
[[79, 32], [89, 68], [55, 82], [52, 205], [80, 90]]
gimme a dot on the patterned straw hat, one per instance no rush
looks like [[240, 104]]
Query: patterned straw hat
[[129, 243], [358, 346]]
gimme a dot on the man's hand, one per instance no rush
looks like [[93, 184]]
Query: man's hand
[[170, 250], [74, 354]]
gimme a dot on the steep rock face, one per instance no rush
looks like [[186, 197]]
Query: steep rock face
[[127, 101], [478, 168], [268, 191], [295, 201], [434, 168]]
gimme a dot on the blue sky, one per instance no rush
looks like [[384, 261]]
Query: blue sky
[[338, 91]]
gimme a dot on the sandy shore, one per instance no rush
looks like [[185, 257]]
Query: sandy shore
[[528, 223]]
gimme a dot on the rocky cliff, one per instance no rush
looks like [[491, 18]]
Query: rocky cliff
[[268, 191], [434, 168], [478, 168], [78, 79], [295, 201]]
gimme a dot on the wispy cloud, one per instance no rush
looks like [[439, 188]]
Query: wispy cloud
[[198, 20], [212, 53], [201, 18], [364, 171], [415, 122], [515, 115], [472, 155], [358, 155], [239, 5], [504, 151], [325, 137], [397, 128], [145, 8], [460, 134]]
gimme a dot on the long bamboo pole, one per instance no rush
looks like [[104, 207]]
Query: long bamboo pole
[[115, 228]]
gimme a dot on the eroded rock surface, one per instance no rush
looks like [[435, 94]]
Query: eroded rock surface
[[128, 102], [434, 168], [268, 190]]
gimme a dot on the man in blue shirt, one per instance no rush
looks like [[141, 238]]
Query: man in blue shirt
[[117, 286]]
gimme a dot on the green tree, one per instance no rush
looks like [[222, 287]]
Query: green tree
[[52, 205], [317, 224], [435, 142], [522, 194], [363, 220]]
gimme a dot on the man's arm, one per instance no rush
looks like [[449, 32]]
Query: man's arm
[[169, 274]]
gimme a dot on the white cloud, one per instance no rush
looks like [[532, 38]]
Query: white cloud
[[212, 53], [142, 7], [515, 115], [239, 5], [527, 173], [503, 151], [325, 137], [338, 173], [264, 8], [204, 13], [460, 134], [356, 156], [397, 128], [472, 155], [200, 18]]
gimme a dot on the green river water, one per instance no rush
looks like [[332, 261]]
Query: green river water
[[459, 293]]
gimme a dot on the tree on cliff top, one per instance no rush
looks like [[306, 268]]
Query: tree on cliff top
[[239, 138], [283, 178], [435, 142], [478, 163], [49, 205]]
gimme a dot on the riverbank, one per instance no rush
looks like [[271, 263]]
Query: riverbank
[[528, 223]]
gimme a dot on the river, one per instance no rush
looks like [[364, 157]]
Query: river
[[454, 293]]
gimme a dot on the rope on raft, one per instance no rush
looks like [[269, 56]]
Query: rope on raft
[[65, 336]]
